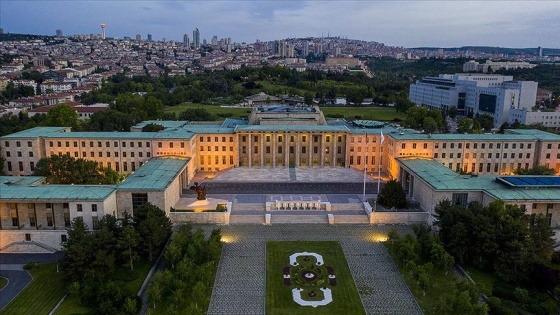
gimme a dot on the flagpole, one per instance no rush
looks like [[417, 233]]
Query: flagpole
[[382, 138], [365, 169]]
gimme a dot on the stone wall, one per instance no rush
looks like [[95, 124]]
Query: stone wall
[[201, 217], [50, 239]]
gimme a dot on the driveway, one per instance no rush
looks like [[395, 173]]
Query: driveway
[[11, 268]]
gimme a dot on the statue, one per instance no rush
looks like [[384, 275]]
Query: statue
[[200, 191]]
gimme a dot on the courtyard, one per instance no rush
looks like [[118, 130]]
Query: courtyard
[[240, 286]]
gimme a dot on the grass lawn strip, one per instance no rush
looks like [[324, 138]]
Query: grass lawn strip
[[279, 295], [3, 283], [440, 284], [41, 295]]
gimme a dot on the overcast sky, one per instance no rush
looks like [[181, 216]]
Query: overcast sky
[[397, 23]]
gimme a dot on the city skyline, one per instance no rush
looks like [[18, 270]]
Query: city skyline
[[404, 23]]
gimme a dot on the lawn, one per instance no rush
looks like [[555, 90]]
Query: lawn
[[369, 113], [41, 295], [3, 282], [279, 295], [484, 280], [349, 112], [214, 110], [440, 285]]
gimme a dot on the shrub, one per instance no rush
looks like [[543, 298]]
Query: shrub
[[30, 265], [496, 307], [392, 195]]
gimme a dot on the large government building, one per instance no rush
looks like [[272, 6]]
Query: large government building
[[162, 163]]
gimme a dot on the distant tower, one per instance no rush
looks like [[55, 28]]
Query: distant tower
[[102, 30], [540, 51], [58, 33], [1, 31], [149, 37], [138, 37], [186, 40], [196, 38]]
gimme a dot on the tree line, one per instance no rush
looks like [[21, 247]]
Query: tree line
[[92, 259]]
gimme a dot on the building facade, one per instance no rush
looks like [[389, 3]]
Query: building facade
[[474, 94]]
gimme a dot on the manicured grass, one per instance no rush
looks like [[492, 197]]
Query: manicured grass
[[369, 113], [484, 281], [214, 110], [71, 306], [41, 295], [3, 282], [440, 285], [279, 296], [349, 112]]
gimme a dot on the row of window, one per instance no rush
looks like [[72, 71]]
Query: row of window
[[19, 154], [216, 148], [292, 150], [108, 154], [131, 144], [216, 160], [292, 138], [475, 145], [209, 139], [18, 144], [482, 155]]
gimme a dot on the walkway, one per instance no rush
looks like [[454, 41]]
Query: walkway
[[240, 283], [11, 268]]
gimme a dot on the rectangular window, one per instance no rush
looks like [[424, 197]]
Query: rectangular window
[[32, 166], [50, 221], [460, 199], [159, 145], [28, 237], [125, 166], [138, 199], [95, 223], [79, 207], [32, 219], [171, 145], [93, 208], [67, 222]]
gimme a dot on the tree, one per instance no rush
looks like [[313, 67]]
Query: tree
[[195, 114], [464, 125], [537, 170], [63, 115], [153, 226], [64, 169], [392, 195], [308, 98], [151, 127], [452, 112], [128, 241]]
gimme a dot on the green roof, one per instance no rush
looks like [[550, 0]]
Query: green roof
[[156, 174], [288, 128], [442, 178], [35, 132], [23, 188]]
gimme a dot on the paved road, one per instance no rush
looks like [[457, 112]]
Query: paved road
[[11, 268], [287, 188]]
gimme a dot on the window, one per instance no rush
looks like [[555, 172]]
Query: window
[[414, 145], [18, 144], [93, 208], [315, 150], [147, 144], [99, 144], [403, 145], [19, 153], [425, 145], [468, 146], [28, 237], [303, 150], [182, 145], [32, 219], [133, 166], [452, 145], [20, 164], [138, 200], [548, 146], [79, 207], [279, 149], [483, 145], [267, 149], [7, 144], [32, 166], [159, 145], [50, 221], [95, 223], [139, 144], [435, 155], [444, 145], [171, 145], [125, 167], [131, 144]]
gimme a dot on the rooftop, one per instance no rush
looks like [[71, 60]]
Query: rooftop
[[29, 188], [156, 174], [442, 178]]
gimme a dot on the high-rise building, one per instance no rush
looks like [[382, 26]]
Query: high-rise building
[[186, 40], [102, 30], [1, 31], [214, 40], [149, 37], [196, 38], [59, 33], [138, 37], [540, 52]]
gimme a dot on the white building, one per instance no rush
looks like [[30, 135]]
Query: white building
[[475, 94], [55, 87], [525, 117], [490, 66]]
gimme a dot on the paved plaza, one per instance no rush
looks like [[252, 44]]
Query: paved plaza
[[299, 174], [241, 279]]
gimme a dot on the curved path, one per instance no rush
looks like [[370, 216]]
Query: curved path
[[11, 268]]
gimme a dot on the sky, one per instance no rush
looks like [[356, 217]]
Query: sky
[[415, 23]]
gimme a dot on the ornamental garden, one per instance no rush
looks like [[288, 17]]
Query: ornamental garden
[[309, 278]]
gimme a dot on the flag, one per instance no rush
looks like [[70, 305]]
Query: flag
[[382, 138]]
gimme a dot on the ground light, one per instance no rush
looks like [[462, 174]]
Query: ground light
[[378, 237], [228, 239]]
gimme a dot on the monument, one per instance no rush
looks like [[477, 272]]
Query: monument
[[200, 191]]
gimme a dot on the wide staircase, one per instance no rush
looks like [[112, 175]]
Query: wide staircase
[[344, 213]]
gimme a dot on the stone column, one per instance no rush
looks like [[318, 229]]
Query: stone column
[[322, 149], [250, 149], [298, 140], [310, 150], [274, 149], [287, 151], [262, 149]]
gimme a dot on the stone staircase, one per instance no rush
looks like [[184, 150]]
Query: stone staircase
[[27, 248], [347, 206], [301, 218]]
